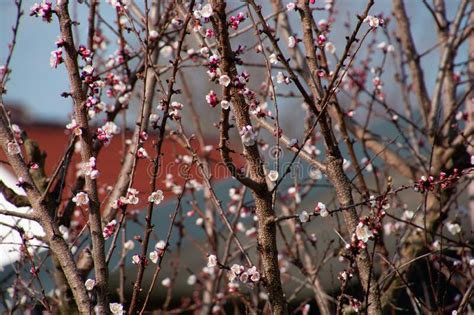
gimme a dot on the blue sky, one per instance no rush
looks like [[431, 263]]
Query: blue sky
[[37, 87]]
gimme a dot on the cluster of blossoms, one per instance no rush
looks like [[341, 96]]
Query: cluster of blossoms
[[248, 135], [156, 197], [238, 273], [374, 21], [109, 229], [176, 108], [282, 78], [56, 58], [369, 227], [378, 85], [93, 81], [204, 12], [43, 10], [453, 228], [57, 55], [212, 98], [240, 82], [74, 127], [107, 131], [117, 86], [425, 184], [81, 199], [236, 20], [345, 275], [319, 209], [213, 70], [261, 111], [90, 168], [159, 251], [201, 16], [131, 198], [85, 53]]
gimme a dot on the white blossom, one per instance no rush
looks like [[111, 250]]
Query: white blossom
[[273, 175], [212, 261], [244, 277], [346, 164], [453, 228], [225, 104], [291, 42], [142, 153], [90, 284], [156, 197], [321, 209], [81, 198], [160, 245], [373, 21], [153, 35], [166, 282], [330, 47], [237, 269], [89, 168], [154, 257], [129, 245], [363, 232], [248, 136], [116, 308], [110, 128], [224, 80], [273, 59], [88, 69], [280, 77], [304, 217], [192, 279], [136, 259], [64, 232], [206, 11]]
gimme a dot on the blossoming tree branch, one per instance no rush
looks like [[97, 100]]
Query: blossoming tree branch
[[270, 157]]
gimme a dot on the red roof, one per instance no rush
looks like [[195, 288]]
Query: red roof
[[53, 139]]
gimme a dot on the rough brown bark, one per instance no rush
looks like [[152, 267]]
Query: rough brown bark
[[80, 113], [267, 246], [57, 244], [334, 161]]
